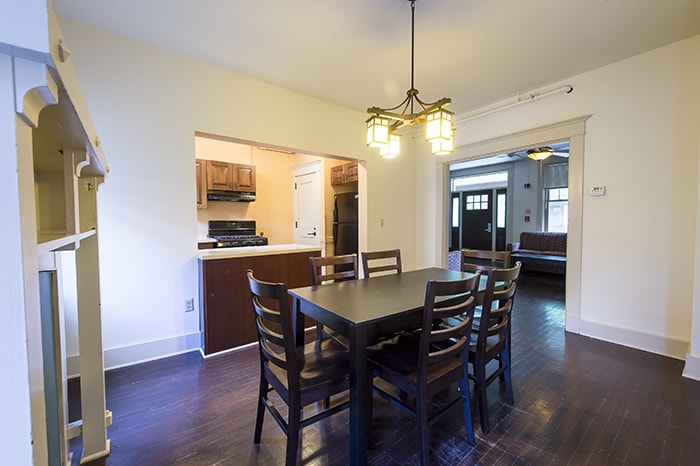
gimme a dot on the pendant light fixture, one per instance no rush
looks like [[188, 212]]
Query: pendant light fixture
[[384, 122], [540, 153]]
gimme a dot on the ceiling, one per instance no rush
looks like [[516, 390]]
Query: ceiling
[[356, 53]]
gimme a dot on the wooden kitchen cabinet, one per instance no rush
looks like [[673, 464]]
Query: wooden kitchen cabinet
[[201, 174], [219, 175], [345, 173], [227, 312], [243, 178], [225, 176]]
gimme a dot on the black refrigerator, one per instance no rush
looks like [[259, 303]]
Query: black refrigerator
[[345, 224]]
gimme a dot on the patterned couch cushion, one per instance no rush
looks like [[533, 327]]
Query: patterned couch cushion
[[543, 241]]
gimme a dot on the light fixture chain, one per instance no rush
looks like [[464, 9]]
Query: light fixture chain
[[413, 40]]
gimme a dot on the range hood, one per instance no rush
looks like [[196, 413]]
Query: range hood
[[230, 196]]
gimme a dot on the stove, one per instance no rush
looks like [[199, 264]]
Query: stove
[[235, 233]]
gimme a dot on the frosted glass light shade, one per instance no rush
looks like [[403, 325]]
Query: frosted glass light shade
[[377, 131], [438, 125], [442, 147], [392, 149], [539, 154]]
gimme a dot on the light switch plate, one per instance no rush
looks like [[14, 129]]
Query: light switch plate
[[597, 191]]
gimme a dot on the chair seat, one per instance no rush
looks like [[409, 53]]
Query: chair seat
[[319, 363], [494, 344], [399, 356]]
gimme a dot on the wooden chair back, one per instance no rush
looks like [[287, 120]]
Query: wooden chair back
[[428, 364], [497, 305], [273, 319], [484, 260], [493, 337], [452, 303], [381, 261], [344, 267]]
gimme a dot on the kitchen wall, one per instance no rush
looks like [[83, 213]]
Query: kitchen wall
[[642, 141], [273, 208]]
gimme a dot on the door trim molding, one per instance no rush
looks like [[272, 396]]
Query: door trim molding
[[573, 130]]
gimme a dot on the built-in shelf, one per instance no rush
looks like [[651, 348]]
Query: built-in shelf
[[49, 242]]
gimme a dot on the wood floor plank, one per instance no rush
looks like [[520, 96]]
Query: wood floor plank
[[577, 401]]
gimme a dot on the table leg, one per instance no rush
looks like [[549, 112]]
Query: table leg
[[359, 396], [298, 323]]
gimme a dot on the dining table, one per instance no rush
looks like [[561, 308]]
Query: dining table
[[363, 311]]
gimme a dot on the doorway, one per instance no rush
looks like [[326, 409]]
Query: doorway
[[479, 220], [570, 130], [308, 203]]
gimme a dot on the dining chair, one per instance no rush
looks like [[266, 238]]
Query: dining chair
[[300, 376], [483, 260], [381, 261], [425, 364], [493, 341], [344, 267]]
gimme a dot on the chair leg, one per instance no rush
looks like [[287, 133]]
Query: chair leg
[[260, 416], [423, 434], [370, 408], [466, 407], [319, 338], [505, 358], [294, 423], [480, 373]]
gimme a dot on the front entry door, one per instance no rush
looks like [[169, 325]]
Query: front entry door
[[477, 217]]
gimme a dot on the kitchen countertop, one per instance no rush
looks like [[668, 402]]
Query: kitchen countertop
[[247, 251]]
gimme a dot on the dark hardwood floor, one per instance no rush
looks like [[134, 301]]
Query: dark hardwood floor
[[578, 401]]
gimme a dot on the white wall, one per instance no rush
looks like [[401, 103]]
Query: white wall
[[147, 105], [641, 142]]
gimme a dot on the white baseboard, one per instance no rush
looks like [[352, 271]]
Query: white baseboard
[[692, 367], [142, 352], [658, 344]]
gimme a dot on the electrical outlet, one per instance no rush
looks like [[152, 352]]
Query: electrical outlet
[[189, 305]]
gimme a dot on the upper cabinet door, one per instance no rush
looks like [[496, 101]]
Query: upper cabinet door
[[219, 175], [243, 178]]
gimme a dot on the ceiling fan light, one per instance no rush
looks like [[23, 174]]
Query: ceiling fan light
[[539, 154], [438, 125], [392, 149], [377, 131]]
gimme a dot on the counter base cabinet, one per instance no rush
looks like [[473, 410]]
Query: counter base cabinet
[[227, 312]]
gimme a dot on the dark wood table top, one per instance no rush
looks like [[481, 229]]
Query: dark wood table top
[[362, 302]]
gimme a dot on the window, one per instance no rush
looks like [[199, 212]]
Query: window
[[455, 212], [479, 182], [477, 202], [556, 197], [501, 210], [557, 200]]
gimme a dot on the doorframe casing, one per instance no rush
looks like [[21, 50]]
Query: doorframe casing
[[574, 131]]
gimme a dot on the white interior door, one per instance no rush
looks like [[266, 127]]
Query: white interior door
[[308, 204]]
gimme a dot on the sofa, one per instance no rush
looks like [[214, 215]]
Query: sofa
[[540, 251]]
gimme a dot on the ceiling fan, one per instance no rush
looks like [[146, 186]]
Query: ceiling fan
[[542, 152]]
